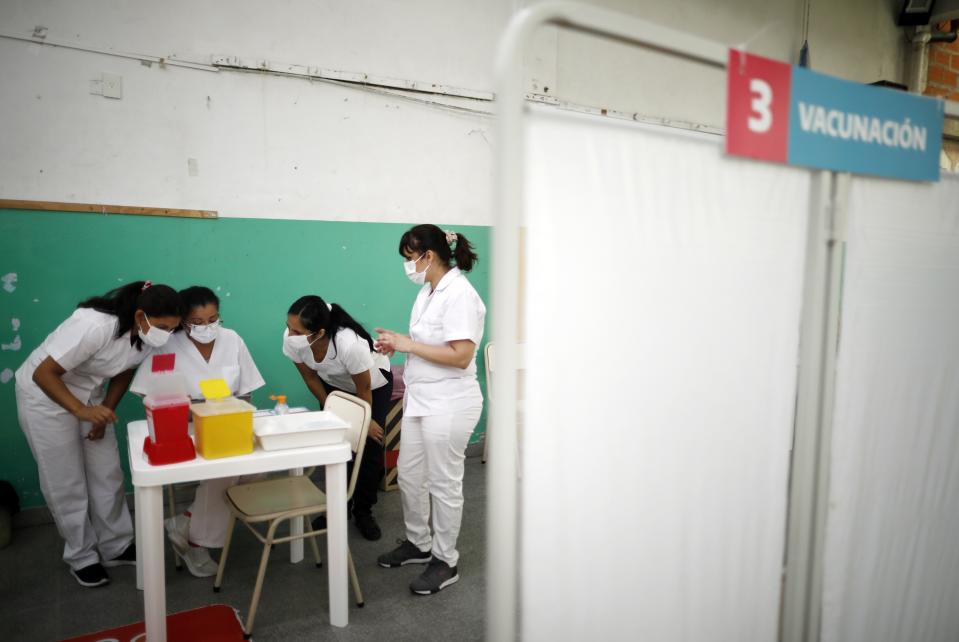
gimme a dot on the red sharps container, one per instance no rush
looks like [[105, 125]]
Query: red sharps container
[[168, 414]]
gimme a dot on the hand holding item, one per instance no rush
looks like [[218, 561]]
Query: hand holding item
[[96, 415], [96, 432], [389, 342]]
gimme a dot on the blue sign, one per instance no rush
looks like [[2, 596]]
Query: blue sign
[[848, 127], [790, 114]]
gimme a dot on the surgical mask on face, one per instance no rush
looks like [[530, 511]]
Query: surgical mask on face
[[419, 278], [293, 344], [153, 337], [204, 333]]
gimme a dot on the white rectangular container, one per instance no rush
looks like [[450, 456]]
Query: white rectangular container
[[299, 430]]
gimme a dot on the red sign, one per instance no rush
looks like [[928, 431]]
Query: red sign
[[163, 362], [757, 107]]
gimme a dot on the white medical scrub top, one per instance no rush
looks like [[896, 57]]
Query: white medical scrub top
[[230, 361], [348, 354], [86, 346], [452, 312]]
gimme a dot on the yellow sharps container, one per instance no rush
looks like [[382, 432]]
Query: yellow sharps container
[[223, 424]]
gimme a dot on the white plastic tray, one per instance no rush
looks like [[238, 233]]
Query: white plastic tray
[[298, 430]]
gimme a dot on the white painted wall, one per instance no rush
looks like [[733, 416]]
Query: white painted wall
[[853, 39], [267, 146]]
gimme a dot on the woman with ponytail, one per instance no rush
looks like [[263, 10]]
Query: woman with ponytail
[[442, 403], [67, 413], [334, 352]]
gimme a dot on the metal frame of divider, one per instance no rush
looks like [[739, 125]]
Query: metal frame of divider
[[820, 311]]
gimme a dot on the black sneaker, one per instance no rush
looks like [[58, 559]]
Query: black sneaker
[[319, 523], [92, 575], [437, 576], [127, 558], [367, 526], [405, 553]]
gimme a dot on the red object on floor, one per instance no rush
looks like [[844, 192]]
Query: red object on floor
[[217, 623]]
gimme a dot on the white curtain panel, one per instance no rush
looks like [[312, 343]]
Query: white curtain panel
[[663, 299], [892, 532]]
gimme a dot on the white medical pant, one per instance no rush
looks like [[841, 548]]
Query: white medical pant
[[81, 480], [209, 515], [430, 466]]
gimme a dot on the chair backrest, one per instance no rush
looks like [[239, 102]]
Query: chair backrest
[[357, 413]]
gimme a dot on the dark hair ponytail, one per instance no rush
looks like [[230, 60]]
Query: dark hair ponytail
[[123, 302], [449, 246], [315, 315]]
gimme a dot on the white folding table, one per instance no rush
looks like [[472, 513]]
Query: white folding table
[[148, 482]]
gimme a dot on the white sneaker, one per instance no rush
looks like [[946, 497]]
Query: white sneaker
[[178, 530], [198, 560]]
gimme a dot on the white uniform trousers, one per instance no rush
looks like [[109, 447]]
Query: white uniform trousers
[[81, 481], [430, 466], [209, 515]]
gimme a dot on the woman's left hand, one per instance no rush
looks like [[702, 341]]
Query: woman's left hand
[[388, 342], [96, 432], [376, 432]]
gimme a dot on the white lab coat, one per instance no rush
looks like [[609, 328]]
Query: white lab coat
[[441, 407], [348, 354], [453, 312], [232, 362], [81, 480]]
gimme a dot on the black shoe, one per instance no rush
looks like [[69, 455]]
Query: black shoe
[[319, 523], [92, 575], [405, 553], [437, 576], [127, 558], [367, 526]]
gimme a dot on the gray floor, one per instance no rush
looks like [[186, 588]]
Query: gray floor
[[39, 600]]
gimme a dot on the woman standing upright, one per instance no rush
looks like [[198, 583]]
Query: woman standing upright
[[67, 416], [442, 404]]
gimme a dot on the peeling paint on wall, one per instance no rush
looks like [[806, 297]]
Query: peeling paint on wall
[[8, 281]]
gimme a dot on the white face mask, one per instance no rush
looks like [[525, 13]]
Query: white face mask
[[204, 333], [153, 337], [293, 344], [419, 278]]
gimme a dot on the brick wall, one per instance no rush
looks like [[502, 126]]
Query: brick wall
[[943, 80]]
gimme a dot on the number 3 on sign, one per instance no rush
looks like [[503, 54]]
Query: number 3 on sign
[[761, 118], [757, 106]]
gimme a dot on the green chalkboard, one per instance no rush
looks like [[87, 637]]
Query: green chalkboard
[[258, 267]]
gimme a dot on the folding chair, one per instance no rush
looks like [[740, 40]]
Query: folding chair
[[274, 501]]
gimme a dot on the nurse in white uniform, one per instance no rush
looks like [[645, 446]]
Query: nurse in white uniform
[[205, 350], [67, 417], [332, 351], [442, 404]]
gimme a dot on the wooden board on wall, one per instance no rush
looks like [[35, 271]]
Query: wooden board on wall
[[95, 208]]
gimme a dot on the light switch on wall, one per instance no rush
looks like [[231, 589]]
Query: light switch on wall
[[112, 85]]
